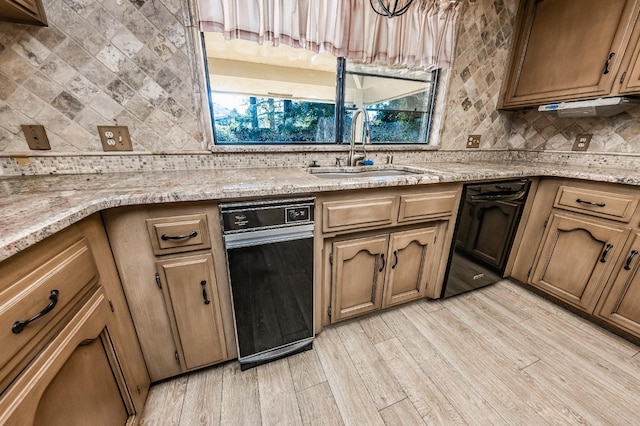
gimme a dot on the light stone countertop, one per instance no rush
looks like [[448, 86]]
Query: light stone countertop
[[35, 207]]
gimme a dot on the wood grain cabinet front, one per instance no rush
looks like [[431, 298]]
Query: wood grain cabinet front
[[567, 50], [578, 254], [191, 295], [374, 272], [23, 12], [354, 214], [76, 380], [620, 301]]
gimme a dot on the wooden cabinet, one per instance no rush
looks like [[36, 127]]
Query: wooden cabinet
[[410, 264], [378, 248], [620, 301], [162, 278], [191, 295], [576, 258], [358, 276], [23, 12], [69, 351], [378, 271], [75, 380], [567, 50]]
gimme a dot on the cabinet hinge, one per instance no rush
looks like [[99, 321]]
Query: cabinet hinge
[[546, 221], [329, 311], [111, 306], [177, 357], [624, 74], [158, 282], [331, 259]]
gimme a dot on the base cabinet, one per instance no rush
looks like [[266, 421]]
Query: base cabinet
[[577, 256], [373, 272], [191, 296], [76, 380], [620, 302]]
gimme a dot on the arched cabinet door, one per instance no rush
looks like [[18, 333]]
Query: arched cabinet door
[[75, 380], [411, 255], [577, 257], [358, 276]]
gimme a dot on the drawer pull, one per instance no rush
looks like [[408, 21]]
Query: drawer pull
[[627, 264], [18, 326], [590, 203], [166, 237], [603, 259], [203, 283]]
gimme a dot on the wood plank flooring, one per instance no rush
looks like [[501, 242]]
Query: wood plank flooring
[[500, 355]]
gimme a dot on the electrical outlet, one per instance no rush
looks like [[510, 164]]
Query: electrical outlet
[[36, 136], [473, 141], [582, 142], [115, 138]]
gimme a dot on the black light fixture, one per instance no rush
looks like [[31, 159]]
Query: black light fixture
[[390, 8]]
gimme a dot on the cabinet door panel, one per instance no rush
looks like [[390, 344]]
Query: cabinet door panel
[[358, 274], [551, 62], [411, 255], [192, 299], [576, 258], [620, 302], [75, 380]]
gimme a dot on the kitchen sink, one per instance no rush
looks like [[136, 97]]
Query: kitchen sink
[[362, 172]]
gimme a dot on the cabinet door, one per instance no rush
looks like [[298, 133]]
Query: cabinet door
[[567, 49], [191, 295], [577, 256], [75, 380], [631, 77], [357, 276], [620, 302], [411, 256], [491, 227]]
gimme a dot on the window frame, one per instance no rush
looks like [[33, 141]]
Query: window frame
[[340, 109]]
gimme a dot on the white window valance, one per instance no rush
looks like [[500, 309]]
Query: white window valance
[[424, 37]]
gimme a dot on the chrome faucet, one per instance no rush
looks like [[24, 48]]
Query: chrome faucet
[[357, 158]]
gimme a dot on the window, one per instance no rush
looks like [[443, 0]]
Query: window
[[281, 95]]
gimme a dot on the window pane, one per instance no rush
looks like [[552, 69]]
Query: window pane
[[397, 101], [266, 94]]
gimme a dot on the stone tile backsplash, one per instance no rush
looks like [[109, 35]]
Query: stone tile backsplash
[[101, 62], [134, 62]]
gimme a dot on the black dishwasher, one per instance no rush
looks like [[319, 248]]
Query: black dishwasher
[[269, 247], [487, 222]]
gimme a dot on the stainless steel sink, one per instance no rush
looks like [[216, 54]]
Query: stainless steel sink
[[362, 172]]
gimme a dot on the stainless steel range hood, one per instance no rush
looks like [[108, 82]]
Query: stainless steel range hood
[[602, 107]]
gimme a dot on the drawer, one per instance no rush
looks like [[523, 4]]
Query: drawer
[[179, 233], [608, 205], [70, 273], [352, 214], [426, 206]]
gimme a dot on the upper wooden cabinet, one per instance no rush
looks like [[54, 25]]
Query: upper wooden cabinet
[[568, 50], [23, 12]]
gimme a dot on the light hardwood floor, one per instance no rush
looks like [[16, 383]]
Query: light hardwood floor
[[499, 355]]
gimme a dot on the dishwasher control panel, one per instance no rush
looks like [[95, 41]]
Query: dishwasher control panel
[[242, 217], [297, 214]]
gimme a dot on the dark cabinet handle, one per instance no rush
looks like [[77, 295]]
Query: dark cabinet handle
[[606, 64], [606, 252], [627, 264], [590, 203], [383, 263], [18, 326], [395, 263], [203, 283], [166, 237]]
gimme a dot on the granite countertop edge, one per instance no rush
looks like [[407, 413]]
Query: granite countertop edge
[[36, 207]]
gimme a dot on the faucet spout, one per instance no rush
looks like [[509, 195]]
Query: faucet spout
[[354, 157]]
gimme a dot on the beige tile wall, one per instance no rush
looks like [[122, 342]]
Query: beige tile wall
[[133, 61]]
